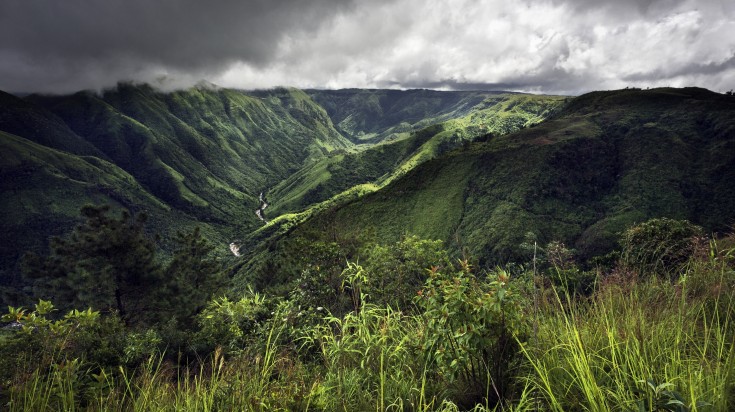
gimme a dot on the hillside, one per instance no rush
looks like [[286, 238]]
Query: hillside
[[206, 151], [608, 160], [378, 164], [203, 156], [371, 116], [195, 157], [42, 189]]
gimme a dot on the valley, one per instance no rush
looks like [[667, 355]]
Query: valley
[[203, 156], [353, 206], [298, 239]]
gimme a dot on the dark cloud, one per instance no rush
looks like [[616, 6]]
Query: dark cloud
[[135, 36], [184, 33], [550, 46], [624, 7], [689, 69]]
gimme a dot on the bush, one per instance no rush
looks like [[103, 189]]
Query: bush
[[398, 271], [231, 324], [660, 246], [472, 332], [38, 345]]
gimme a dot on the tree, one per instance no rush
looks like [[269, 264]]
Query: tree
[[398, 271], [105, 263], [192, 276]]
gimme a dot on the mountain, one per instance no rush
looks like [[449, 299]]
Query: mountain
[[43, 188], [21, 117], [204, 156], [470, 114], [206, 151], [371, 116], [478, 170], [606, 161], [195, 157]]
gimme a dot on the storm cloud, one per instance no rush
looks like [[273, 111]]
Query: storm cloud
[[548, 46]]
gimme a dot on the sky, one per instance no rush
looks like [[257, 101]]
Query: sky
[[539, 46]]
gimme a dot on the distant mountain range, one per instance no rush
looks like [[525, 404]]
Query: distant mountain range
[[478, 170], [606, 161], [203, 156]]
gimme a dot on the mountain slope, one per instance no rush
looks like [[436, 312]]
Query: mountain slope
[[24, 118], [203, 156], [372, 116], [42, 190], [380, 163], [608, 160], [206, 151], [198, 157]]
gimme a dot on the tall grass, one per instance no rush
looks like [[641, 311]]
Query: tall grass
[[262, 380], [632, 345], [373, 361], [652, 345]]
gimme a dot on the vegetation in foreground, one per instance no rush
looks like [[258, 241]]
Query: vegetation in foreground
[[406, 327]]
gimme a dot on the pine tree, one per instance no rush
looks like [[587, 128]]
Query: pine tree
[[105, 263], [193, 276]]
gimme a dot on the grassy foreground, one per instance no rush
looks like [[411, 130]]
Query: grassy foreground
[[471, 341]]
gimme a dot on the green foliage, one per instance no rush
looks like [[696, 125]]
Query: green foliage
[[661, 398], [57, 352], [474, 342], [397, 271], [111, 265], [141, 346], [193, 275], [108, 264], [373, 359], [661, 246], [472, 331], [300, 260], [563, 271], [574, 280], [232, 324], [638, 344], [354, 282]]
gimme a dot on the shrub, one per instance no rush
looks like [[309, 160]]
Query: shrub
[[231, 324], [398, 271], [472, 327], [39, 348], [661, 246]]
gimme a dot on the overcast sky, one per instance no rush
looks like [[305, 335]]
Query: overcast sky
[[546, 46]]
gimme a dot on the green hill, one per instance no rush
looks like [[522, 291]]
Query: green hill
[[378, 164], [203, 156], [195, 157], [206, 151], [376, 115], [23, 118], [478, 170], [43, 189], [608, 160]]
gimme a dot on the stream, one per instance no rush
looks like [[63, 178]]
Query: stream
[[260, 212]]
